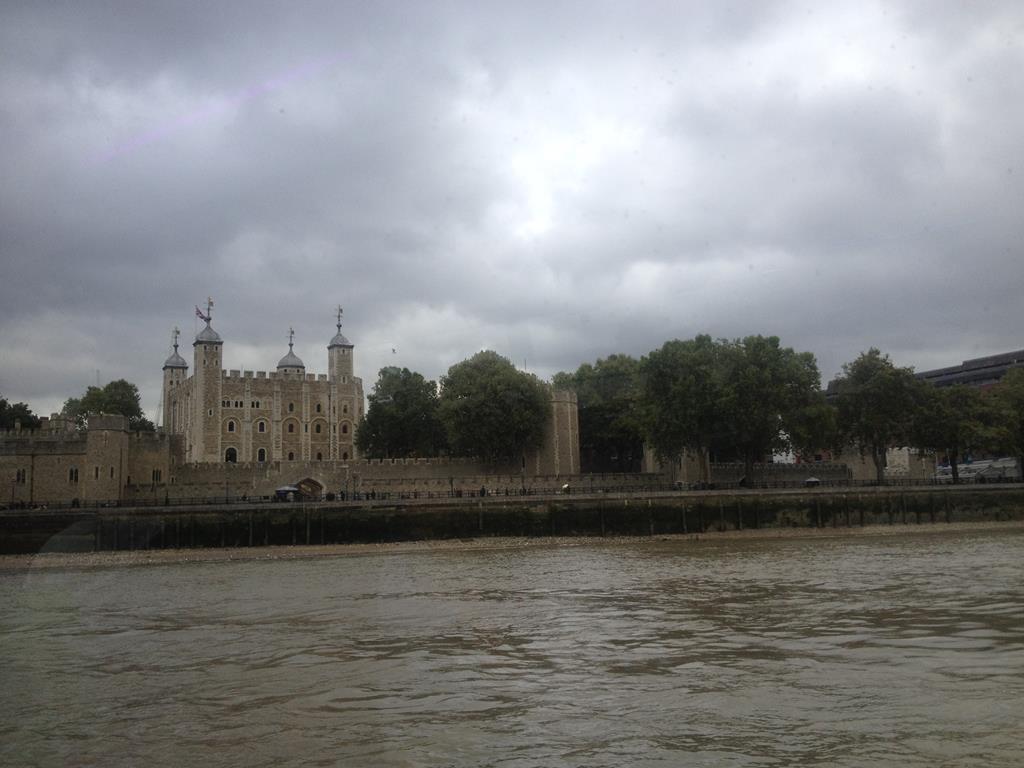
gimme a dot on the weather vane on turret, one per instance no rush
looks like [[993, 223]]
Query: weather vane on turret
[[175, 333], [339, 318], [291, 338], [209, 311]]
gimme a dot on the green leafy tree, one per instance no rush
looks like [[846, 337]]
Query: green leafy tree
[[814, 428], [492, 411], [1009, 396], [611, 429], [765, 391], [876, 403], [118, 397], [16, 412], [402, 419], [954, 420], [683, 398]]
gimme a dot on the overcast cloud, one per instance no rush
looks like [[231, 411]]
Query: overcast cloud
[[555, 181]]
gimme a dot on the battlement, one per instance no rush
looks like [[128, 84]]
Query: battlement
[[107, 421], [235, 373], [435, 461], [21, 436]]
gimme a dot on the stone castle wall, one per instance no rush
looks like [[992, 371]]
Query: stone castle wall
[[37, 467], [106, 462]]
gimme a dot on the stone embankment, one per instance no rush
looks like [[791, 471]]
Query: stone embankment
[[594, 515]]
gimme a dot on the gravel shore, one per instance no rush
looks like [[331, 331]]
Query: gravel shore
[[64, 560]]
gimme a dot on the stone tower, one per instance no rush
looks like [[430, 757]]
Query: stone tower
[[346, 406], [203, 443], [174, 398]]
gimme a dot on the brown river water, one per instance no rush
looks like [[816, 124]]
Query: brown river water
[[858, 651]]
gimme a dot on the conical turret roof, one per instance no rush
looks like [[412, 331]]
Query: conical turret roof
[[339, 339], [175, 360], [291, 360]]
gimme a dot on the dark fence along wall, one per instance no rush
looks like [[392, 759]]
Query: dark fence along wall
[[324, 523]]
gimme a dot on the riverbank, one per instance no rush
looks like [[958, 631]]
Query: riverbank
[[122, 559]]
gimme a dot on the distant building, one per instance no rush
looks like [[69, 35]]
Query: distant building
[[234, 433], [245, 416], [981, 372]]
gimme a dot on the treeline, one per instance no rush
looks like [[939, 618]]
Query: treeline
[[118, 397], [718, 399], [747, 399], [484, 408]]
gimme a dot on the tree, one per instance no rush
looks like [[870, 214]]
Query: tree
[[118, 397], [955, 420], [611, 430], [765, 391], [492, 411], [876, 404], [402, 420], [682, 398], [814, 427], [1009, 395], [17, 412]]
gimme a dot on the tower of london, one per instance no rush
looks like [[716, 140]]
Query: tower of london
[[233, 416]]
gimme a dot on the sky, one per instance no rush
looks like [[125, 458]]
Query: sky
[[555, 181]]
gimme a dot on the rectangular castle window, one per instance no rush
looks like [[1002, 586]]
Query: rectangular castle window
[[96, 473], [19, 477], [73, 475], [111, 473], [156, 475]]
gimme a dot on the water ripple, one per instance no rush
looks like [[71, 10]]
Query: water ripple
[[897, 651]]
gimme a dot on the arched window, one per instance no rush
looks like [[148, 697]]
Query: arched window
[[317, 429], [291, 407], [344, 408], [319, 457], [291, 455], [344, 429], [261, 455], [318, 407], [291, 427], [261, 426], [231, 426], [344, 456], [230, 455]]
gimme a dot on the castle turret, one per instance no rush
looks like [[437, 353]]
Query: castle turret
[[204, 438], [175, 374], [346, 395], [291, 363]]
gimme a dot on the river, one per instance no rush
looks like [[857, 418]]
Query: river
[[883, 651]]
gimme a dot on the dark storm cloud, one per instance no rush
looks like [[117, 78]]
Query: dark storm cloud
[[558, 182]]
